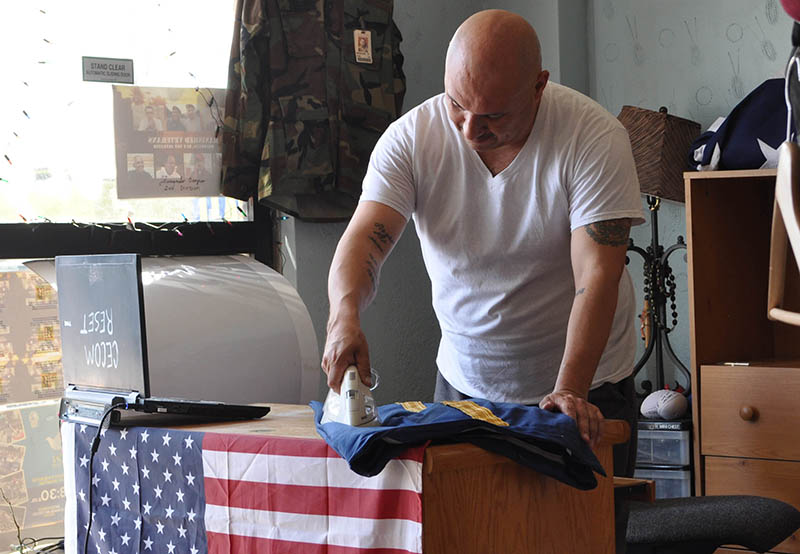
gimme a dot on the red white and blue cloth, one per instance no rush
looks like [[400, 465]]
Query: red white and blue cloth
[[175, 492]]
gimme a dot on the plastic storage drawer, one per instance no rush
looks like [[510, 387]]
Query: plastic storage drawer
[[659, 448], [670, 483]]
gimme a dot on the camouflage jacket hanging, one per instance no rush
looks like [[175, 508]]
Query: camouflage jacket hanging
[[312, 84]]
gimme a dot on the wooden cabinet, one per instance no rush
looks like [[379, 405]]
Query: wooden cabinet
[[745, 368]]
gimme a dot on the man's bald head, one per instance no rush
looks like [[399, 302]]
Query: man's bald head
[[495, 44], [494, 81]]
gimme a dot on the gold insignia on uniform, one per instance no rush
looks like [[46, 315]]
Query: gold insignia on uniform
[[413, 406], [476, 411]]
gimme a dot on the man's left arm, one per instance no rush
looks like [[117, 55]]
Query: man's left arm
[[598, 258]]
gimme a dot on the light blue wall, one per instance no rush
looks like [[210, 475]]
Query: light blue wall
[[699, 59], [427, 26], [573, 44]]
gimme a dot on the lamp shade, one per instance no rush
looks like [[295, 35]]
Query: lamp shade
[[660, 144]]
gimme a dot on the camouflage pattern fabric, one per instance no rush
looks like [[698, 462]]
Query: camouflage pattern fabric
[[302, 115]]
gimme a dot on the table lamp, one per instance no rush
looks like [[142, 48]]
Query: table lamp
[[660, 144]]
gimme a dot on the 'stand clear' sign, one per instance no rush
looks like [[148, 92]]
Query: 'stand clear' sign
[[108, 70]]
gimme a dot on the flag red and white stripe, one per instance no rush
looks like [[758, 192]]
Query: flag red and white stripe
[[276, 494]]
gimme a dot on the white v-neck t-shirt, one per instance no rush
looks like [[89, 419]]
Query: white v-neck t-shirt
[[497, 248]]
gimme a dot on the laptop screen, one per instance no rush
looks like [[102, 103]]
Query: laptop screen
[[101, 312]]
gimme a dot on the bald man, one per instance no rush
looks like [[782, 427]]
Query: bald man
[[523, 193]]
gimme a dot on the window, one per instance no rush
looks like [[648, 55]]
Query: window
[[58, 133]]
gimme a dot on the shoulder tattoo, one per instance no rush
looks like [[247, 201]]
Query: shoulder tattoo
[[613, 232]]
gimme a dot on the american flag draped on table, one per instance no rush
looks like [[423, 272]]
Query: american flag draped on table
[[165, 490]]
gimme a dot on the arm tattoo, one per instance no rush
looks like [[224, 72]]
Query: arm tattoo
[[372, 271], [580, 291], [380, 237], [613, 232]]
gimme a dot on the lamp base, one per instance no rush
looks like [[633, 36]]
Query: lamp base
[[659, 287]]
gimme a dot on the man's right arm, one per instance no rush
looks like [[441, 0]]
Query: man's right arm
[[352, 284]]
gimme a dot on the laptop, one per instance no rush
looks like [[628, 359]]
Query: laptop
[[104, 345]]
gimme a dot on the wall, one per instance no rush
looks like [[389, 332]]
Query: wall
[[573, 44], [697, 58]]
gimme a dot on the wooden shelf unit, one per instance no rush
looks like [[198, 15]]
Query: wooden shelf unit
[[746, 417]]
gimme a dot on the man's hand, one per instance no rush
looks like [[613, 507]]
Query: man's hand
[[586, 415], [345, 345]]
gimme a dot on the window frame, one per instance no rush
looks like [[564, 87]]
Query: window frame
[[47, 240]]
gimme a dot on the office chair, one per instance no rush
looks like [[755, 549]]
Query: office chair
[[700, 525]]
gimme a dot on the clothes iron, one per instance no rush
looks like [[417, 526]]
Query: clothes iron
[[355, 405]]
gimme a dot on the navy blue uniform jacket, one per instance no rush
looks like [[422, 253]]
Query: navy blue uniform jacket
[[545, 441]]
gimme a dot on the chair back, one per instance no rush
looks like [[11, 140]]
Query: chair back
[[785, 231]]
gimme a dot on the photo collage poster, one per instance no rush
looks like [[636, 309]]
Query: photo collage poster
[[30, 338], [167, 141], [31, 385]]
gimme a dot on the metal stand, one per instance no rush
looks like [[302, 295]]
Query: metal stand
[[659, 286]]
